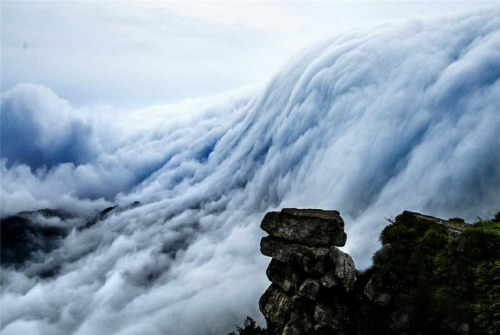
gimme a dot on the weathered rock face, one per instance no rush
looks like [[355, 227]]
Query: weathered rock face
[[309, 227], [312, 279]]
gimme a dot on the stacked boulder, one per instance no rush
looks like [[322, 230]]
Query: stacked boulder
[[312, 280]]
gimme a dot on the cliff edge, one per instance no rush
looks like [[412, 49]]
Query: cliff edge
[[431, 276]]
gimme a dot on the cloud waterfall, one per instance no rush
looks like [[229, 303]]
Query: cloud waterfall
[[371, 123]]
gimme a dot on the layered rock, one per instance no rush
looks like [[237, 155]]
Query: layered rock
[[310, 227], [312, 280]]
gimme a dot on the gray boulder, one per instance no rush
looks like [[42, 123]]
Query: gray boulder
[[300, 323], [310, 288], [313, 260], [311, 227], [329, 280], [284, 276], [345, 270], [331, 316], [276, 306], [373, 292]]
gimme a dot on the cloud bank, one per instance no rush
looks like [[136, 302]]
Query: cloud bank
[[404, 116], [39, 129]]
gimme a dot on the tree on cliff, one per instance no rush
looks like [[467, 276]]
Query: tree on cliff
[[249, 328]]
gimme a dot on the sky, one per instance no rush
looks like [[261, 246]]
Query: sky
[[137, 54], [149, 109]]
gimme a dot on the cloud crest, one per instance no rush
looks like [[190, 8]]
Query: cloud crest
[[38, 128], [370, 123]]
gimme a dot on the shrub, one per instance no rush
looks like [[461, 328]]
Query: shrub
[[249, 328]]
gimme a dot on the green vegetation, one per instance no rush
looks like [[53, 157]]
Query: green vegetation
[[428, 278], [444, 284], [249, 328]]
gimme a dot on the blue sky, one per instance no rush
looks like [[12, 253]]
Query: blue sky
[[137, 54]]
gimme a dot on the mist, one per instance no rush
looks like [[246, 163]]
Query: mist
[[371, 123]]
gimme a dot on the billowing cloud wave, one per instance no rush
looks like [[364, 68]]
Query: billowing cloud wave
[[405, 116], [39, 129]]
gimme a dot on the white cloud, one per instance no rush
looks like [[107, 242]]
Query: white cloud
[[371, 123], [139, 53]]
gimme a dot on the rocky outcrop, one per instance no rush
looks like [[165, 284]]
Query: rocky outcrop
[[312, 280], [431, 276], [454, 226], [310, 227]]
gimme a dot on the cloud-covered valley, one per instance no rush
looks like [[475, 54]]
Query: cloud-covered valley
[[405, 116]]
